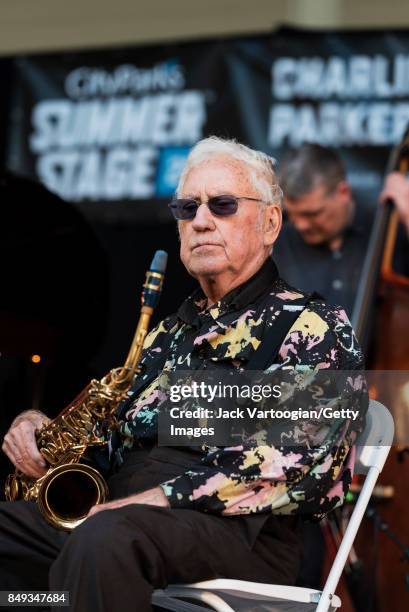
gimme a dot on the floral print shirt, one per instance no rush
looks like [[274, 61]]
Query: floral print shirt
[[256, 476]]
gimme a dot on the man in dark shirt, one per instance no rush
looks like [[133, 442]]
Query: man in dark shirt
[[323, 244], [183, 514]]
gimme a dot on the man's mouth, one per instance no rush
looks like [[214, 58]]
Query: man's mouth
[[204, 244]]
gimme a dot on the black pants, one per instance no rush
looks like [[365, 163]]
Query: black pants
[[115, 559]]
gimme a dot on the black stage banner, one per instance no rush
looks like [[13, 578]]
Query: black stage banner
[[110, 130]]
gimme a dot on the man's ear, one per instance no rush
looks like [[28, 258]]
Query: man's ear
[[273, 221], [343, 190]]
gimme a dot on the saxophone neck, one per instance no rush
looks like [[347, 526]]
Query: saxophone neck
[[135, 351], [152, 289]]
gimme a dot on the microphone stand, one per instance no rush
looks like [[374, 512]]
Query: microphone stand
[[383, 527]]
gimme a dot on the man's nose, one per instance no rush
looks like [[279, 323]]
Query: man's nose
[[301, 224], [203, 219]]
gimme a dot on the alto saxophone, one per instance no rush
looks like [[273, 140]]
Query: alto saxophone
[[69, 488]]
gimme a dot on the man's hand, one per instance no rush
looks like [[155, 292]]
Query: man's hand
[[396, 188], [19, 443], [152, 497]]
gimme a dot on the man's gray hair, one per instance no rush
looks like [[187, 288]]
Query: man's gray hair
[[310, 166], [261, 166]]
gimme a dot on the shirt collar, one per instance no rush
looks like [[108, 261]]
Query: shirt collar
[[239, 297], [358, 222]]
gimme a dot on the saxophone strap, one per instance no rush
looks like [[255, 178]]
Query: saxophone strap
[[275, 335]]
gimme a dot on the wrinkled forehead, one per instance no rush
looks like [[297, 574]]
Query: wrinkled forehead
[[218, 174]]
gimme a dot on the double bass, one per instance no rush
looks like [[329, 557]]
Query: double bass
[[381, 321]]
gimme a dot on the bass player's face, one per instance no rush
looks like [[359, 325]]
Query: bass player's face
[[318, 216]]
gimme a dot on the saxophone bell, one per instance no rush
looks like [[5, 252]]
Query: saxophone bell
[[68, 492]]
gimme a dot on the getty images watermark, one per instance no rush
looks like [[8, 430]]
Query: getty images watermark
[[280, 407], [255, 393]]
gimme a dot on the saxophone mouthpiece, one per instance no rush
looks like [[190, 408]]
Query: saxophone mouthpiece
[[154, 279], [159, 262]]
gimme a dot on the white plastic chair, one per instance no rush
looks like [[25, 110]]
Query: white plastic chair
[[372, 450]]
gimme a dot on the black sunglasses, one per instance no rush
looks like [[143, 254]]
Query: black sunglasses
[[221, 206]]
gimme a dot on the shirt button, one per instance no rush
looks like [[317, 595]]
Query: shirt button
[[337, 284]]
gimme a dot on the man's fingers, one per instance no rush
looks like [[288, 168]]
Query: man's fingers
[[98, 508], [107, 506], [19, 461], [35, 417], [20, 445], [383, 196], [23, 452], [93, 511], [154, 497], [24, 437], [8, 449]]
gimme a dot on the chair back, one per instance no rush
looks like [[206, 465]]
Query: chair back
[[373, 444]]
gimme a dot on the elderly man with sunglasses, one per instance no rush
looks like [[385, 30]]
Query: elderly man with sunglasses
[[191, 513]]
